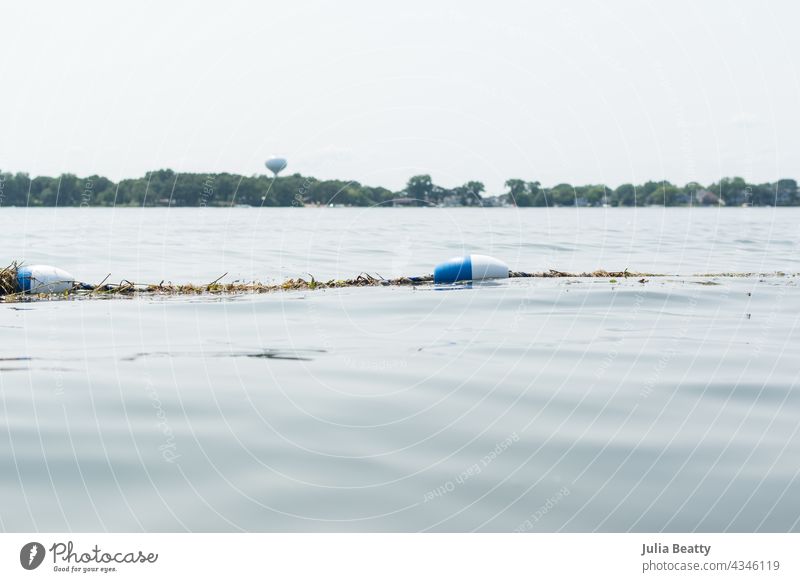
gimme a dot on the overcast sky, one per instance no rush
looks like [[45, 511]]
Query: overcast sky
[[580, 92]]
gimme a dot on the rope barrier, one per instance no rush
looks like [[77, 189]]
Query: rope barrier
[[11, 289]]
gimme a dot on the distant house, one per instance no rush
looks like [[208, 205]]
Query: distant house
[[404, 201], [454, 200], [786, 192], [682, 198], [496, 201], [707, 198]]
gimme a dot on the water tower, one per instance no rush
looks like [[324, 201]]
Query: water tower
[[275, 165]]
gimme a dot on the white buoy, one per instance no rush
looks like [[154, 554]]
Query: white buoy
[[470, 268], [44, 279]]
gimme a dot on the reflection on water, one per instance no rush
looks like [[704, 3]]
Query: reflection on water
[[271, 354]]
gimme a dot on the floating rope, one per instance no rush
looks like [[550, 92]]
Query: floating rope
[[10, 291]]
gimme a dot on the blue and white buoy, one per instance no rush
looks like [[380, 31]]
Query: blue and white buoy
[[44, 279], [470, 268]]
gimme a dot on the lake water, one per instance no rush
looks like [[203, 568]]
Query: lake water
[[521, 405]]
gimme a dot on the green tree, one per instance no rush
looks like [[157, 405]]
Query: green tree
[[420, 187], [562, 195], [625, 195]]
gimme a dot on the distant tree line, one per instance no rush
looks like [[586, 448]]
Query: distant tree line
[[168, 188], [728, 191]]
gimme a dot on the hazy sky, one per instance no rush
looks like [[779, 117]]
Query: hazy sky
[[579, 92]]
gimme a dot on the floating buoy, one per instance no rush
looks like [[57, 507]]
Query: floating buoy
[[470, 268], [44, 279]]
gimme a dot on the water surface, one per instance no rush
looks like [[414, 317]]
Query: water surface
[[527, 405]]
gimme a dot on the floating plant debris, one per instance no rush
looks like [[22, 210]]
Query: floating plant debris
[[10, 293]]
